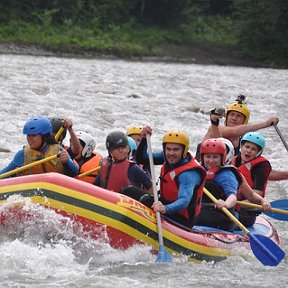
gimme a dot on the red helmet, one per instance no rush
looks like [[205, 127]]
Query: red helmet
[[213, 146]]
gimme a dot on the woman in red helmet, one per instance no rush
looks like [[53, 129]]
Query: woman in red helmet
[[222, 181]]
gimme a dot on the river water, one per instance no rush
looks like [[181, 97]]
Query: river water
[[104, 95]]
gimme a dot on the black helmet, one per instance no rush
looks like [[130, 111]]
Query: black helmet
[[57, 123], [116, 139]]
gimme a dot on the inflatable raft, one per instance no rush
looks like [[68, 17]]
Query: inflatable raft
[[127, 222]]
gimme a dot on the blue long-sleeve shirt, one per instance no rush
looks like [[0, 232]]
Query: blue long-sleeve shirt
[[18, 161], [187, 181], [228, 181]]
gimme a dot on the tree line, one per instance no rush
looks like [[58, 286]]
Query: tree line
[[259, 27]]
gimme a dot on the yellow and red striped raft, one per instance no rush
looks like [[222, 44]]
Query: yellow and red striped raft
[[127, 221]]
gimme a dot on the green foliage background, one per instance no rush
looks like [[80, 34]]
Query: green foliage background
[[256, 29]]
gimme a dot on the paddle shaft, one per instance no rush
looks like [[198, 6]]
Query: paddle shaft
[[281, 136], [227, 212], [59, 132], [17, 170], [90, 171], [4, 150], [158, 218], [251, 205]]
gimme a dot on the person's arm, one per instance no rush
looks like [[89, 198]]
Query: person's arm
[[240, 130], [254, 197], [277, 175], [71, 169], [228, 181], [137, 176], [18, 161], [142, 154], [75, 145]]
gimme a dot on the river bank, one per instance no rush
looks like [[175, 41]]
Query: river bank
[[191, 54]]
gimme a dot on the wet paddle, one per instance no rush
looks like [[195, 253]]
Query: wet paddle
[[163, 255], [25, 167], [281, 136], [59, 132], [265, 250], [89, 171], [279, 209]]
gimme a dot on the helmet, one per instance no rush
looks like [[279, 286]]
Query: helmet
[[230, 150], [255, 138], [178, 137], [56, 125], [133, 130], [88, 143], [241, 108], [38, 125], [116, 139], [132, 144], [213, 146]]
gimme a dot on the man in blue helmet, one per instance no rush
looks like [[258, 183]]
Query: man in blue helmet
[[41, 144]]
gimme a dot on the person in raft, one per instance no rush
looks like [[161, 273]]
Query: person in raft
[[41, 144], [87, 158], [222, 181], [181, 180], [119, 174]]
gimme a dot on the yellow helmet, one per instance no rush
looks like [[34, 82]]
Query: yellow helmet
[[241, 108], [133, 130], [178, 137]]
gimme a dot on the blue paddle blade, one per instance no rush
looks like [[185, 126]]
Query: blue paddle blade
[[163, 255], [279, 204], [266, 250]]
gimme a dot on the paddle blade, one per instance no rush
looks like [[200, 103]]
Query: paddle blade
[[163, 255], [279, 215], [266, 251]]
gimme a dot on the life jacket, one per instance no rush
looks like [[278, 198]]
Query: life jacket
[[214, 188], [169, 186], [93, 162], [114, 175], [32, 155], [247, 168]]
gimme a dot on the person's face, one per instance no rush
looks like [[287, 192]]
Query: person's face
[[249, 151], [34, 141], [212, 160], [173, 152], [235, 118], [119, 153], [137, 138]]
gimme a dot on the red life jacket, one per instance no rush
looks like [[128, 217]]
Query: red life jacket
[[169, 186], [92, 163], [114, 175], [247, 168], [214, 188]]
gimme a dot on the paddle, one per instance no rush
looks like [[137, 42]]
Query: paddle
[[89, 171], [279, 209], [59, 132], [163, 255], [281, 136], [25, 167], [4, 150], [265, 250]]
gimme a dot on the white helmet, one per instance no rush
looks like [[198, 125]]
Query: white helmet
[[230, 150], [88, 141]]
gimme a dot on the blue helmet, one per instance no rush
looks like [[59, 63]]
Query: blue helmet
[[38, 125], [132, 144], [255, 138]]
